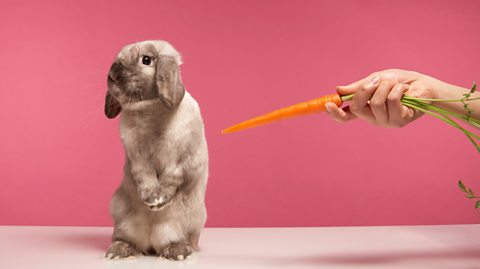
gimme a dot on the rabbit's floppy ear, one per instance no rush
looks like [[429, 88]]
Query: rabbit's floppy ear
[[112, 106], [167, 80]]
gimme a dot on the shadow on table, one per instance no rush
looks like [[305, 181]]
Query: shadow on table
[[356, 259], [92, 240], [382, 258]]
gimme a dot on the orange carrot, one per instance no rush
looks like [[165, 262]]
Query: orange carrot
[[300, 109]]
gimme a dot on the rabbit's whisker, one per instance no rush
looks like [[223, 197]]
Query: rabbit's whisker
[[92, 114]]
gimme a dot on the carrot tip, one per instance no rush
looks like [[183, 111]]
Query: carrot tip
[[226, 131], [304, 108]]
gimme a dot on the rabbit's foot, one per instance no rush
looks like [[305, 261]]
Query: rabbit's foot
[[120, 249], [176, 251]]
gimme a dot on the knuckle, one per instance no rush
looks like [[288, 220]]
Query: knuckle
[[388, 83], [376, 103], [392, 98], [363, 89], [423, 92], [390, 76], [374, 74], [419, 91]]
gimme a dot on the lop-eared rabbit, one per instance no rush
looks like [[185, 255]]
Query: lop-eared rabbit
[[159, 207]]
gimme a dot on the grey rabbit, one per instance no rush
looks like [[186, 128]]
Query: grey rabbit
[[159, 207]]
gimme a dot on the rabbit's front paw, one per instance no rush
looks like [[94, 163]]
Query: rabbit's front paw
[[120, 249], [154, 198], [157, 203]]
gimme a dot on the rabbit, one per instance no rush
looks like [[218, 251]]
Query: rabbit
[[159, 207]]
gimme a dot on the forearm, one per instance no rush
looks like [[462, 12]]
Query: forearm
[[145, 178], [170, 179], [143, 173]]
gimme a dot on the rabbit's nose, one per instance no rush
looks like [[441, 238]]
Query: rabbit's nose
[[115, 72]]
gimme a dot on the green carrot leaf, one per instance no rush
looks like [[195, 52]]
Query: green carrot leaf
[[465, 98], [472, 90], [462, 186], [477, 204], [470, 192]]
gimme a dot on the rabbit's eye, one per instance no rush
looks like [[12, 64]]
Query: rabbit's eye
[[146, 60]]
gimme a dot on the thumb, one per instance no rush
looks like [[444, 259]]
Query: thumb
[[355, 86]]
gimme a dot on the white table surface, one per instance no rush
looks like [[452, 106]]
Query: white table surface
[[452, 246]]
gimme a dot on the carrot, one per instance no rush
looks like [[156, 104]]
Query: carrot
[[300, 109], [424, 105]]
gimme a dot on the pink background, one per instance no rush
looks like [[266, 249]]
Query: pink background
[[61, 159]]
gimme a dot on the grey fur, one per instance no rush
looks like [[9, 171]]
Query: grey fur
[[159, 207]]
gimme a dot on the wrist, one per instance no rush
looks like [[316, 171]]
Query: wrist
[[437, 89]]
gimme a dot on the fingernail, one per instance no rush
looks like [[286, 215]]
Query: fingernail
[[328, 107], [374, 81]]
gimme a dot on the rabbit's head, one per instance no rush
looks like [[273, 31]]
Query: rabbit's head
[[144, 71]]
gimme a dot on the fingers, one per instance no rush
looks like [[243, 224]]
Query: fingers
[[360, 101], [396, 110], [378, 103], [417, 90], [345, 114], [378, 99], [355, 86], [399, 114], [339, 114]]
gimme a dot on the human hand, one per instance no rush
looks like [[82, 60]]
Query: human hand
[[377, 98]]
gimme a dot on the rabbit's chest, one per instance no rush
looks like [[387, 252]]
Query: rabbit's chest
[[138, 141], [157, 148]]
